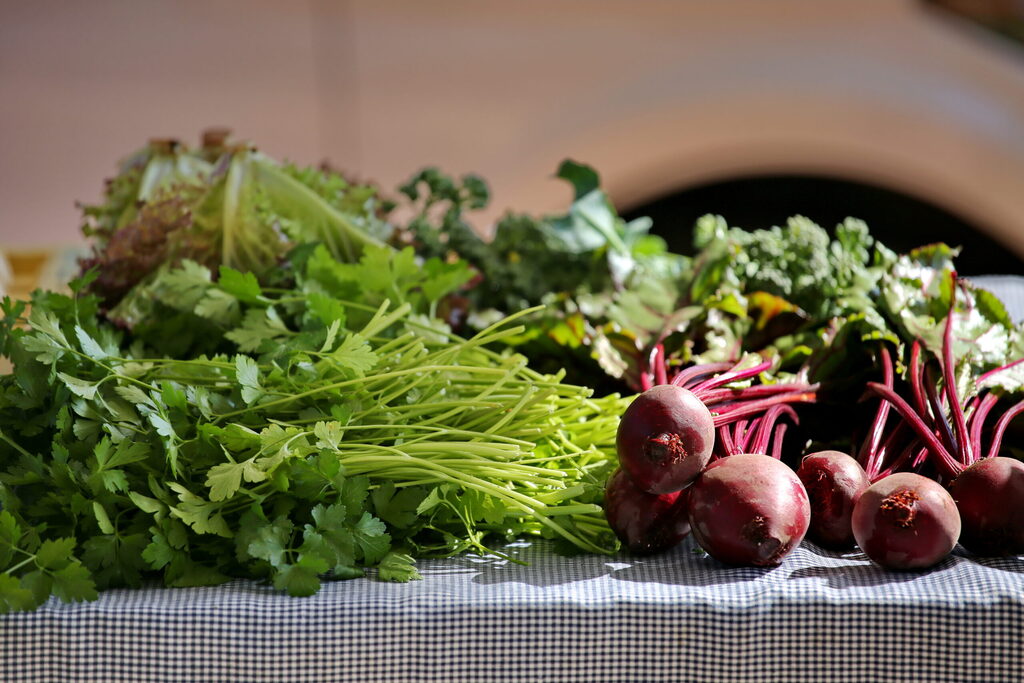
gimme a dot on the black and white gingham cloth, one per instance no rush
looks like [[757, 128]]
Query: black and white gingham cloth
[[679, 616]]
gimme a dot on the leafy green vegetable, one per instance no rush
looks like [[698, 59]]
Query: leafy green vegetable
[[613, 296], [770, 291], [916, 296], [325, 436], [38, 568], [216, 205], [528, 259], [578, 265]]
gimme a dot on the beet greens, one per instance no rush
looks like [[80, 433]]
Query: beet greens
[[937, 426], [948, 435]]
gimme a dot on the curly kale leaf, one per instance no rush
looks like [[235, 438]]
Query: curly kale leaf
[[799, 262]]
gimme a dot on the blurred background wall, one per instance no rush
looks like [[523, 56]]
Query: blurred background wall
[[665, 98]]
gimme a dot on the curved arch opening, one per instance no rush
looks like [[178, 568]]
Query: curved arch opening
[[899, 220]]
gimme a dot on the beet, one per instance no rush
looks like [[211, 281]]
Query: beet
[[665, 439], [990, 497], [834, 481], [645, 522], [749, 509], [906, 521]]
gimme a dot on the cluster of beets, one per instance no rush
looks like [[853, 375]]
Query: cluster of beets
[[917, 487]]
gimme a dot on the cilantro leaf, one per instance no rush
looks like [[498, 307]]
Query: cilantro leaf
[[14, 596], [372, 538], [355, 353], [397, 507], [47, 323], [328, 434], [43, 348], [224, 479], [326, 308], [89, 345], [159, 553], [185, 573], [271, 542], [218, 306]]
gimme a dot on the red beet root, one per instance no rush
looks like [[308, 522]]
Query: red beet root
[[990, 497], [665, 439], [749, 509], [834, 481], [906, 521], [645, 522]]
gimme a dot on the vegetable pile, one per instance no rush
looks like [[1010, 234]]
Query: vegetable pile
[[893, 502], [259, 373]]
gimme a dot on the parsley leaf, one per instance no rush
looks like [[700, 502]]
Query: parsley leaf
[[243, 286], [398, 567], [248, 375]]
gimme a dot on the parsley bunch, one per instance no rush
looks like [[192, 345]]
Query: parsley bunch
[[332, 426]]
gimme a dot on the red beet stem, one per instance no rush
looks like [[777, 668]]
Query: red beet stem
[[1001, 425], [728, 445], [696, 372], [945, 432], [950, 465], [732, 376], [896, 440], [728, 414], [869, 454], [913, 448], [742, 434], [777, 437], [717, 396], [765, 428], [658, 362], [978, 417], [949, 377], [919, 458], [916, 378]]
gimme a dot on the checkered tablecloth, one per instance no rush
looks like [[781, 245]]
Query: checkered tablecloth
[[680, 616]]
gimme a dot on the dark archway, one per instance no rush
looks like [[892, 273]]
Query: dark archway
[[898, 220]]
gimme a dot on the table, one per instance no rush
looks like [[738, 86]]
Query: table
[[679, 616]]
